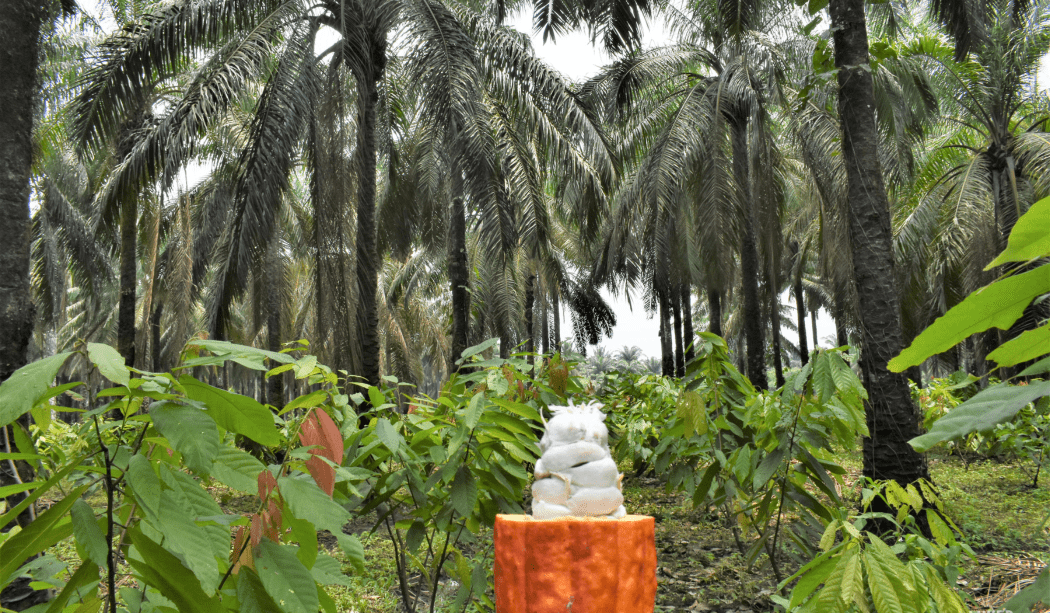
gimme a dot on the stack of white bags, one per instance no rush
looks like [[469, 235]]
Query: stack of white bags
[[575, 474]]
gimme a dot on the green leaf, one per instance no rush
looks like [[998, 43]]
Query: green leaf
[[388, 435], [237, 469], [158, 568], [285, 578], [886, 598], [497, 382], [191, 432], [20, 391], [1029, 345], [519, 409], [1031, 595], [226, 349], [1039, 368], [306, 401], [767, 468], [327, 571], [474, 411], [815, 6], [476, 349], [110, 363], [464, 492], [998, 305], [89, 536], [235, 413], [48, 528], [190, 542], [1029, 238], [987, 409], [852, 588], [10, 515], [145, 485], [252, 595], [309, 502], [823, 381], [85, 575], [354, 550]]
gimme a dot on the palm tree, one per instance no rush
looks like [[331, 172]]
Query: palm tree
[[21, 25], [702, 126], [629, 358], [242, 37], [890, 413]]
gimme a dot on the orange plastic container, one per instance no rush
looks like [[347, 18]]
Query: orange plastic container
[[575, 564]]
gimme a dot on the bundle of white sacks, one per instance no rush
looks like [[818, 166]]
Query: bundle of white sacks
[[575, 474]]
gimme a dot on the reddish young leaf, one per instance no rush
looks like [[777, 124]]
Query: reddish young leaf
[[310, 432], [322, 472], [267, 484], [256, 529], [333, 440]]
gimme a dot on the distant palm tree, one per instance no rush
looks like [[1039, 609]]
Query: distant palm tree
[[629, 358], [653, 365], [601, 361]]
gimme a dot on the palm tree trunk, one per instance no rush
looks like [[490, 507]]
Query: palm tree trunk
[[679, 347], [126, 306], [687, 322], [556, 309], [891, 416], [800, 308], [530, 300], [714, 307], [458, 278], [545, 331], [666, 350], [774, 316], [813, 321], [749, 270], [841, 336], [273, 322], [20, 23], [367, 254], [154, 329]]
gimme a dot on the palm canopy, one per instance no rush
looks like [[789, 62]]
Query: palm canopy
[[259, 58]]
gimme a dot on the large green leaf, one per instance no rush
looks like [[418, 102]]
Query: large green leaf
[[388, 434], [285, 578], [190, 542], [191, 432], [48, 528], [22, 389], [162, 570], [308, 502], [327, 571], [1030, 345], [226, 348], [354, 550], [464, 492], [145, 485], [252, 595], [987, 409], [109, 362], [1029, 238], [996, 305], [236, 413], [89, 536], [85, 575], [237, 469], [1031, 595]]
